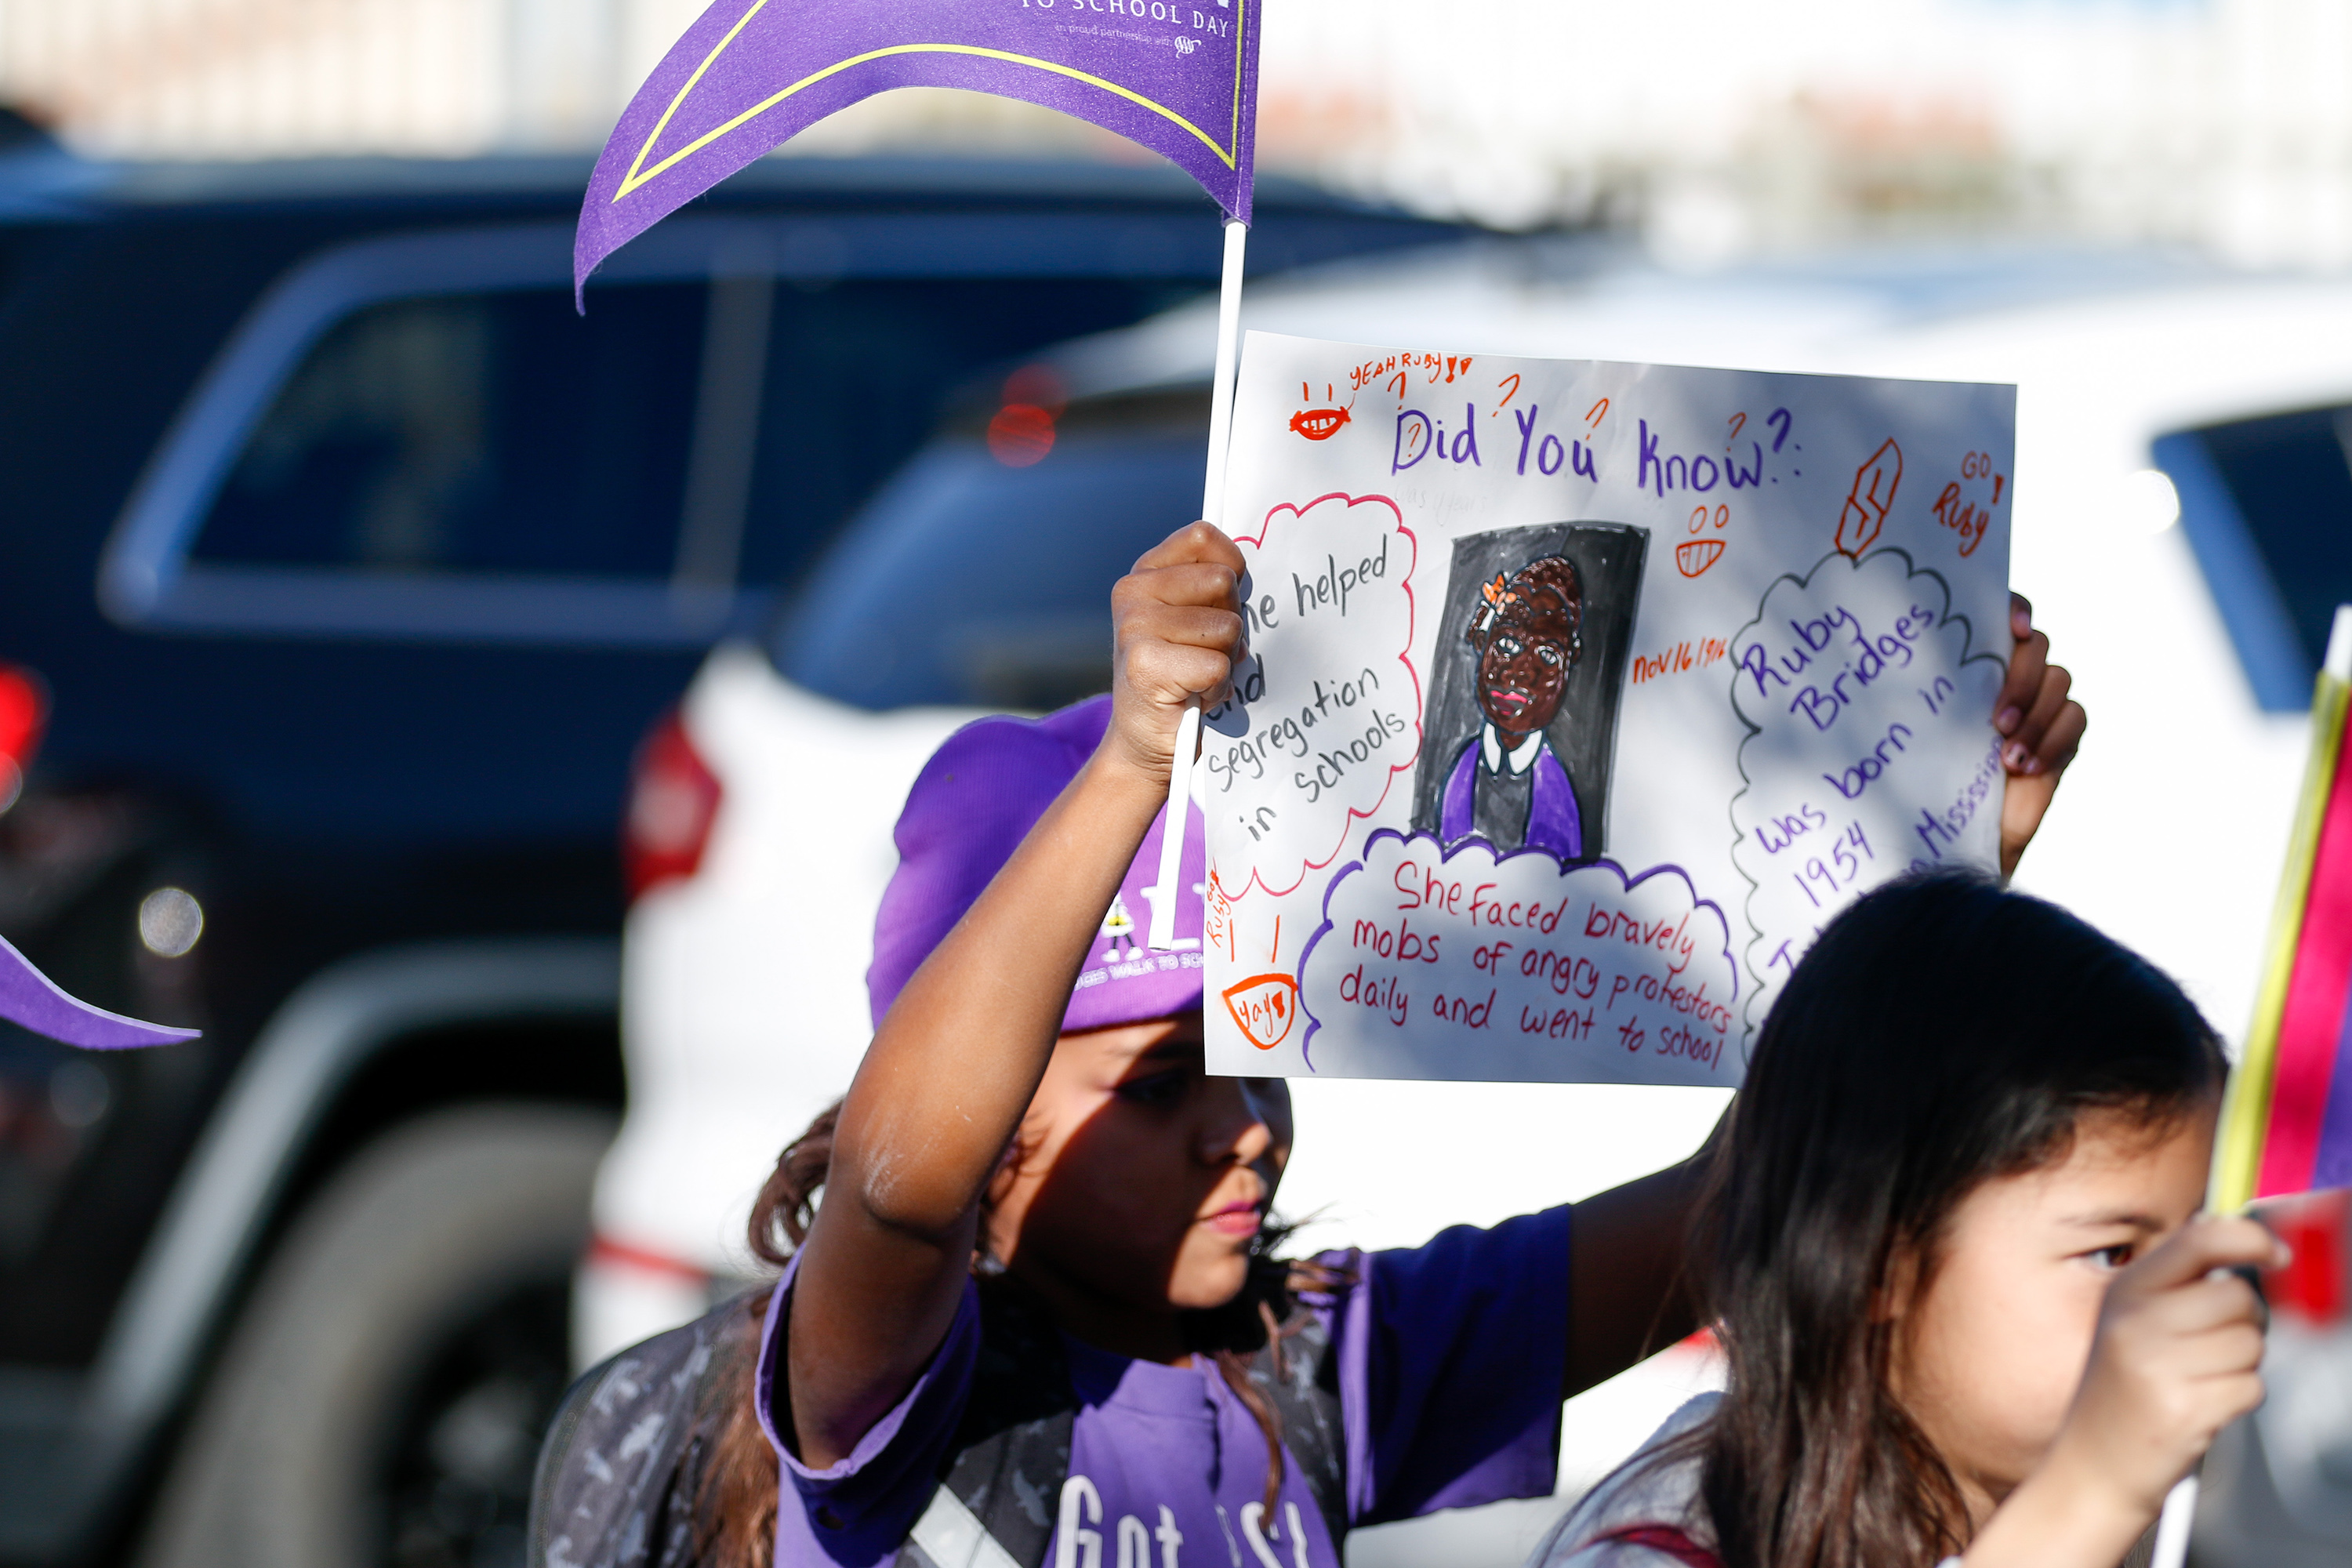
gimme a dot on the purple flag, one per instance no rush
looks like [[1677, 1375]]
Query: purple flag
[[1180, 78], [31, 998]]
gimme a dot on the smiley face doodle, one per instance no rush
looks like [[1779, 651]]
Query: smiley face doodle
[[1265, 1007], [1318, 424], [1694, 556]]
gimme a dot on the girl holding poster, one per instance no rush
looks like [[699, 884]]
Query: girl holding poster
[[1966, 1298], [1038, 1316]]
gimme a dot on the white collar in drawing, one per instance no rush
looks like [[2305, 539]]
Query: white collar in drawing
[[1523, 755]]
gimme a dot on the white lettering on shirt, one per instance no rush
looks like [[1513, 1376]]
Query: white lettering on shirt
[[1075, 1547]]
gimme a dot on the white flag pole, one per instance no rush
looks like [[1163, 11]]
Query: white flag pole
[[2172, 1524], [1165, 895], [1229, 359]]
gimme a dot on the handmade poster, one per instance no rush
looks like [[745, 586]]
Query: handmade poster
[[1579, 696]]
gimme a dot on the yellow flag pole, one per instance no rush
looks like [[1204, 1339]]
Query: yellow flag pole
[[2245, 1116]]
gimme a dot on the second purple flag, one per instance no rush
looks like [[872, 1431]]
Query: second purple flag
[[1180, 79]]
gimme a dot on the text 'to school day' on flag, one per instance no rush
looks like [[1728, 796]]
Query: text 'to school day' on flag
[[2288, 1125], [1178, 76]]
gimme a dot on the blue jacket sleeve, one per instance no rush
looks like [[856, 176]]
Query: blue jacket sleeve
[[1451, 1361]]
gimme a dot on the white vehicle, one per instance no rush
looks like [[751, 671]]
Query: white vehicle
[[2183, 526]]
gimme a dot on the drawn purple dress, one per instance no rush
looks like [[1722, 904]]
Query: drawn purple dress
[[1554, 825]]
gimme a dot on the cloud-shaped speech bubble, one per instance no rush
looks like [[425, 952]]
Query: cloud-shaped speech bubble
[[1327, 708], [1870, 748], [1470, 967]]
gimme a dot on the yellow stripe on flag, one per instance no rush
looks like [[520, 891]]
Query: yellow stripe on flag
[[639, 175], [2246, 1114]]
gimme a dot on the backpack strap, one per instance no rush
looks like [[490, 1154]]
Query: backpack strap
[[1001, 1488], [1665, 1538], [950, 1535], [619, 1472], [1301, 1377], [623, 1459], [999, 1496]]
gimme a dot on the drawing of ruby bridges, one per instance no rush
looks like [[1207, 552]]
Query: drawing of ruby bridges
[[1867, 503]]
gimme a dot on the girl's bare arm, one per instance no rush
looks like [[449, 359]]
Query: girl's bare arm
[[955, 1062], [1629, 1291]]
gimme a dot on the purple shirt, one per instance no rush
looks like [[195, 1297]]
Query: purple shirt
[[1450, 1360], [1554, 823]]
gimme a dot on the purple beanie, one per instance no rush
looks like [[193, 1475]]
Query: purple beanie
[[971, 806]]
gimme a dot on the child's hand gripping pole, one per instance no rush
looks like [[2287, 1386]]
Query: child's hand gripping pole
[[1165, 891], [2178, 1357]]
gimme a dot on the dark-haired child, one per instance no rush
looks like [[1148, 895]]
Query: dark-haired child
[[1036, 1317], [1952, 1250]]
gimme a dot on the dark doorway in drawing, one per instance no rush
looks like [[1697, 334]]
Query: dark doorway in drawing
[[1529, 667]]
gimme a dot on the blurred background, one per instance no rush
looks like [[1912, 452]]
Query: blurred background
[[1715, 128], [427, 691]]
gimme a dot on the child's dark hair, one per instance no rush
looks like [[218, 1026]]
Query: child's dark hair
[[1941, 1033], [736, 1507]]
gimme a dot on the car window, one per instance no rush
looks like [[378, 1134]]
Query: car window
[[501, 432], [973, 581], [2267, 506], [418, 437], [860, 374], [485, 433]]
